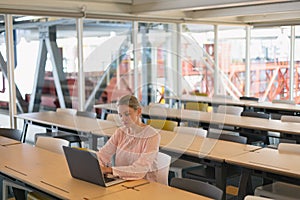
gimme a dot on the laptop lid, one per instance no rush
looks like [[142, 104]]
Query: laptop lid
[[84, 165]]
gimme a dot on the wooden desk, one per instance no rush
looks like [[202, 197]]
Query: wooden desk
[[206, 151], [153, 191], [213, 101], [54, 121], [147, 111], [268, 163], [4, 141], [270, 107], [289, 130], [46, 171], [267, 107]]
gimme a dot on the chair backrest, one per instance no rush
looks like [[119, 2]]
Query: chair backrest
[[69, 111], [289, 148], [51, 144], [196, 106], [288, 118], [159, 105], [251, 197], [284, 101], [190, 130], [228, 137], [197, 187], [11, 133], [86, 114], [230, 110], [255, 114], [163, 166], [114, 118], [249, 98], [222, 96], [162, 124]]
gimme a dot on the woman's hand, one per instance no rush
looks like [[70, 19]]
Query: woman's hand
[[106, 170]]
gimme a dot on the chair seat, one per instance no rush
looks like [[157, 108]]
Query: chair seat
[[279, 190], [208, 173], [203, 174], [72, 138], [179, 165]]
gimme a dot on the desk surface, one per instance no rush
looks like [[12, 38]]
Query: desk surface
[[275, 106], [202, 147], [72, 122], [244, 103], [194, 145], [217, 118], [153, 191], [270, 160], [48, 172], [4, 141]]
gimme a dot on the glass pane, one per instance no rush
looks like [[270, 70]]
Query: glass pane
[[270, 54], [107, 50], [44, 75], [297, 66], [198, 65], [4, 90], [232, 53]]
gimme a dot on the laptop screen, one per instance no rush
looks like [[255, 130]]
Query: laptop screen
[[84, 165]]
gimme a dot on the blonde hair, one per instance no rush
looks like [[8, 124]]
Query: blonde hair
[[130, 101]]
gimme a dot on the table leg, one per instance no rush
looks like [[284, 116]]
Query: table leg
[[245, 185], [24, 131], [221, 174]]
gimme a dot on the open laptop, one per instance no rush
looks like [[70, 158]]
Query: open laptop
[[84, 165]]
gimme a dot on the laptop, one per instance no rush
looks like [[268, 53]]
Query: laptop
[[84, 165]]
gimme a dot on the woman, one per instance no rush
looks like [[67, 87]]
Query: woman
[[135, 145]]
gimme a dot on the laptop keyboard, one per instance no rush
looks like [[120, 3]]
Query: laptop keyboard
[[108, 179]]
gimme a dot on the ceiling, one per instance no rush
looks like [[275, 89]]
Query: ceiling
[[234, 12]]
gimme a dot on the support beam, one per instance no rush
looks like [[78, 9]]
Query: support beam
[[10, 69], [21, 103], [48, 45], [248, 64], [81, 77]]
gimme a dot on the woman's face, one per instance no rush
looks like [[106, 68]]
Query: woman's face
[[128, 115]]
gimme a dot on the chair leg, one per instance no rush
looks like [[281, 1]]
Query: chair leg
[[18, 190]]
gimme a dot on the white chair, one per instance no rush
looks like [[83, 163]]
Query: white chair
[[284, 101], [178, 165], [114, 118], [159, 105], [228, 110], [276, 135], [289, 118], [289, 148], [69, 111], [251, 197], [190, 130], [223, 96], [281, 190], [163, 166], [51, 144]]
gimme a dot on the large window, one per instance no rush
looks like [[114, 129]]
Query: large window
[[198, 51], [45, 60], [107, 50], [270, 56]]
